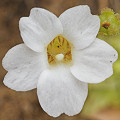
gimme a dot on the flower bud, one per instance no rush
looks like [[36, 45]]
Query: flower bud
[[109, 22]]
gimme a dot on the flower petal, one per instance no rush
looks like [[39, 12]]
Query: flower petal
[[39, 28], [24, 67], [94, 64], [60, 92], [80, 26]]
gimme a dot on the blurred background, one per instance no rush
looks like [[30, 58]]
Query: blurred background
[[103, 102]]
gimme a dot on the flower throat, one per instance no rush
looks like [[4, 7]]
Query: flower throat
[[59, 47]]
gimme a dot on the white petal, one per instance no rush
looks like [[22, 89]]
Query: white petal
[[94, 64], [60, 92], [39, 28], [80, 26], [24, 67]]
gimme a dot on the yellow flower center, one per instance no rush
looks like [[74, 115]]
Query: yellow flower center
[[59, 50]]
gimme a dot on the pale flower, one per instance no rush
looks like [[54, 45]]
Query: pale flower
[[59, 57]]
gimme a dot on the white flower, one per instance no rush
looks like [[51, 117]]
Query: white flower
[[59, 57]]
